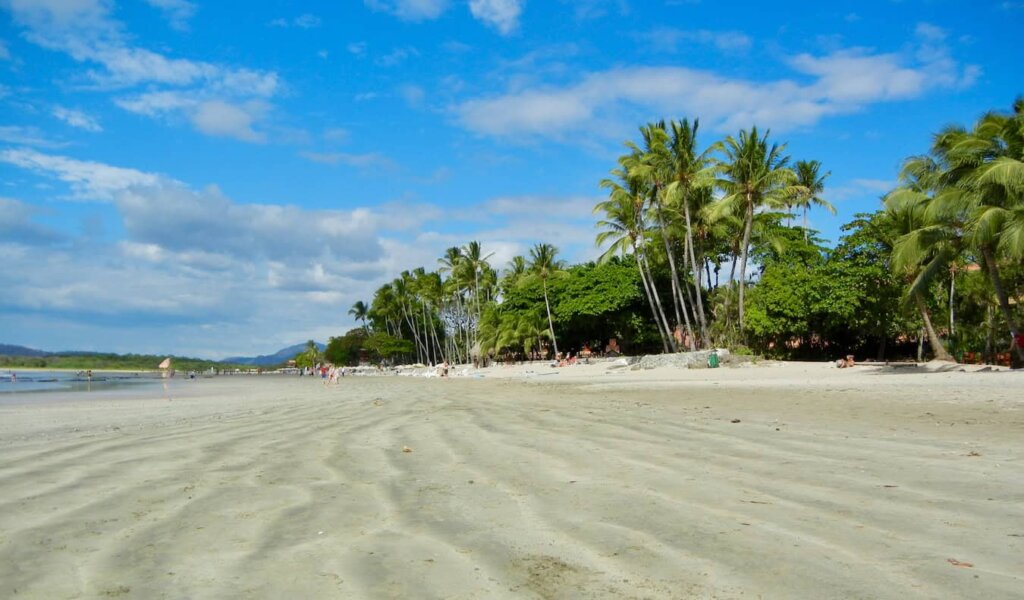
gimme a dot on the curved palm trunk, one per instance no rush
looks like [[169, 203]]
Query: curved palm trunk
[[661, 310], [415, 333], [699, 310], [747, 228], [952, 302], [659, 313], [933, 338], [650, 300], [551, 325], [677, 289], [1004, 303]]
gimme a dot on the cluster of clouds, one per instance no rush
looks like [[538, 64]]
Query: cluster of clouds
[[190, 259], [841, 82], [217, 100], [501, 15]]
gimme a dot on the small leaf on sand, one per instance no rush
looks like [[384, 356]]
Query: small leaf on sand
[[957, 563], [406, 449]]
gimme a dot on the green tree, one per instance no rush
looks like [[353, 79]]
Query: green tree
[[623, 231], [752, 175], [690, 185], [809, 186], [359, 312], [545, 266]]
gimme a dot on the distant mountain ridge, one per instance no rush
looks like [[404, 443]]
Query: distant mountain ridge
[[12, 350], [281, 356], [266, 360]]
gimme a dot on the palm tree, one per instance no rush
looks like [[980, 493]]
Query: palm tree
[[752, 175], [624, 232], [359, 312], [544, 266], [690, 174], [474, 260], [810, 184], [516, 269], [920, 251], [653, 164], [978, 175], [311, 355]]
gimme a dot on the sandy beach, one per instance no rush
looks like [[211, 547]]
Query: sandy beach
[[776, 481]]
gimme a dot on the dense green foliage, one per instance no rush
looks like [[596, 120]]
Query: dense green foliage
[[358, 345]]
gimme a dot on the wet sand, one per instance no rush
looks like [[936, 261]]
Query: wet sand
[[794, 481]]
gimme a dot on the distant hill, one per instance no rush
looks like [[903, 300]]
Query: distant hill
[[266, 360], [12, 350], [12, 356]]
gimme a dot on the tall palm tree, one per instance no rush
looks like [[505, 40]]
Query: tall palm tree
[[810, 184], [359, 312], [920, 250], [623, 231], [544, 265], [474, 260], [653, 164], [690, 174], [753, 174], [516, 269], [979, 179]]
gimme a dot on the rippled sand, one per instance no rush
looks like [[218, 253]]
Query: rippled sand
[[831, 485]]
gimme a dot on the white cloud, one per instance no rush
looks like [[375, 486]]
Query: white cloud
[[85, 30], [502, 15], [396, 57], [89, 180], [5, 54], [841, 82], [303, 21], [356, 48], [77, 118], [410, 10], [596, 9], [27, 136], [370, 160], [860, 188], [412, 94], [17, 224], [210, 116], [177, 12], [336, 134], [668, 39], [307, 21], [219, 118]]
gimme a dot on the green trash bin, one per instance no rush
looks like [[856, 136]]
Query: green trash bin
[[713, 360]]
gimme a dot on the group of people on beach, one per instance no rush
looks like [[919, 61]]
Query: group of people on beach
[[328, 373]]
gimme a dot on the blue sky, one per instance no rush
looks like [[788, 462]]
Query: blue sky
[[185, 176]]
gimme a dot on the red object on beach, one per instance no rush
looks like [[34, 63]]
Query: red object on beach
[[1019, 340]]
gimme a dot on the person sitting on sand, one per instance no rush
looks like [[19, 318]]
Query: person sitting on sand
[[843, 363]]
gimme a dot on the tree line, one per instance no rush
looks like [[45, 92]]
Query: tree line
[[710, 246]]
